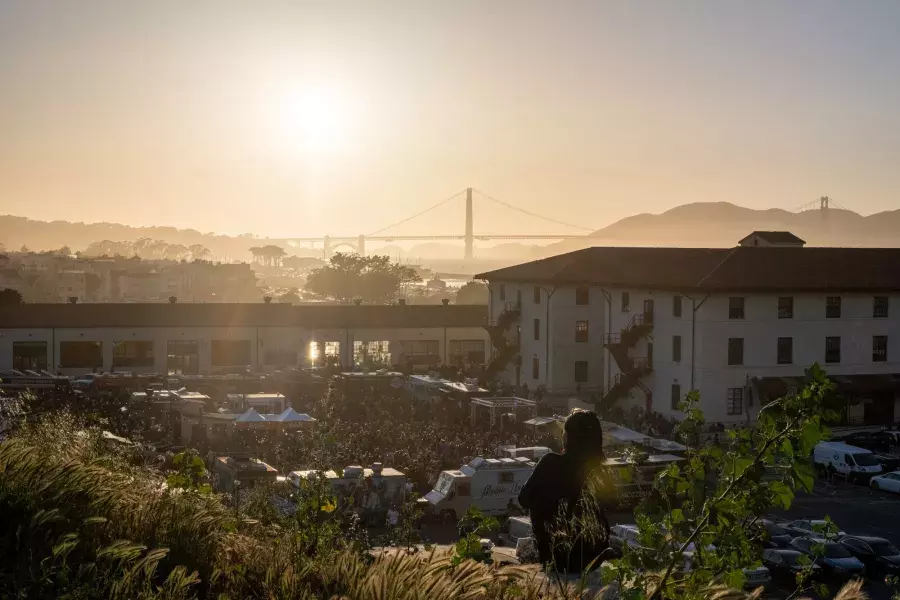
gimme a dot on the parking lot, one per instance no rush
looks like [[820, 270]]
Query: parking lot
[[856, 509]]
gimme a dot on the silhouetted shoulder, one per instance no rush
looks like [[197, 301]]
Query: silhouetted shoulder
[[550, 461]]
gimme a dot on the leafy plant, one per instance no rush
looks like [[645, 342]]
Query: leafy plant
[[473, 526], [698, 529], [190, 471]]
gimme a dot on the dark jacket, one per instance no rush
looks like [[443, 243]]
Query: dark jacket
[[554, 492]]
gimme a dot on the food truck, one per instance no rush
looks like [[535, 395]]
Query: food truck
[[490, 484], [630, 489], [370, 491]]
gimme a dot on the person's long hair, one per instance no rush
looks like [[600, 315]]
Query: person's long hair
[[583, 441]]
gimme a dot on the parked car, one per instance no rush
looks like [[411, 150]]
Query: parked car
[[878, 554], [775, 534], [851, 462], [831, 556], [811, 528], [888, 462], [889, 482], [785, 563], [623, 535], [876, 441]]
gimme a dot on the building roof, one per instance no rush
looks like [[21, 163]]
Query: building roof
[[775, 237], [318, 316], [714, 270]]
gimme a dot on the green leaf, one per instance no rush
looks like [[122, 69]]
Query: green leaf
[[810, 435], [677, 516], [803, 471], [782, 493], [741, 465], [735, 579]]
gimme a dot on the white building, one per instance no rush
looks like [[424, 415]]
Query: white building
[[646, 325], [208, 338]]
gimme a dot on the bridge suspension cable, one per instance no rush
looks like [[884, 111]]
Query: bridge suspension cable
[[419, 214], [532, 214]]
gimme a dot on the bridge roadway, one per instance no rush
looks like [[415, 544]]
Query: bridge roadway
[[359, 242]]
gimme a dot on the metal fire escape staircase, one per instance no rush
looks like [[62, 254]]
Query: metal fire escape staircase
[[504, 349], [631, 368]]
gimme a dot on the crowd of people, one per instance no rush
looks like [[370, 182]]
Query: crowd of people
[[416, 437]]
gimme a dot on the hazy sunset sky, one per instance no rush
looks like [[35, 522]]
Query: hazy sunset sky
[[304, 118]]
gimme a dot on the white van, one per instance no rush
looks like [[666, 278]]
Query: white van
[[855, 464]]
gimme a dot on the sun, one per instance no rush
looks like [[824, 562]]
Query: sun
[[316, 120]]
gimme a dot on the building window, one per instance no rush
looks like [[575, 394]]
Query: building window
[[537, 329], [626, 301], [880, 309], [879, 348], [537, 295], [379, 352], [133, 353], [735, 351], [230, 353], [786, 307], [735, 308], [281, 358], [464, 352], [676, 306], [502, 292], [833, 307], [676, 395], [582, 296], [81, 355], [535, 368], [581, 371], [30, 356], [676, 348], [735, 401], [833, 349], [412, 352], [785, 350], [183, 357], [581, 331]]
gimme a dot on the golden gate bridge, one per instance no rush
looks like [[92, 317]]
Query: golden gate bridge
[[358, 242]]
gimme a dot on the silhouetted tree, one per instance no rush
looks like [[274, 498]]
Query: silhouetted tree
[[472, 293], [371, 278], [10, 297]]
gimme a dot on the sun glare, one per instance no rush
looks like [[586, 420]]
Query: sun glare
[[316, 121]]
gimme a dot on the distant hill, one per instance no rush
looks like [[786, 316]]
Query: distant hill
[[42, 235], [714, 224], [721, 224]]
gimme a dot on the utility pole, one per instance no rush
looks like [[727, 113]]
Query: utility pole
[[470, 238]]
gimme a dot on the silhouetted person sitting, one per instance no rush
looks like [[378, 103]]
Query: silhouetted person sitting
[[569, 526]]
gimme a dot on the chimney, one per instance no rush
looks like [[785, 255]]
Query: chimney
[[377, 468]]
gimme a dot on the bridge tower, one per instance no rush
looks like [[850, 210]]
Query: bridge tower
[[470, 237], [361, 245], [326, 251], [823, 206]]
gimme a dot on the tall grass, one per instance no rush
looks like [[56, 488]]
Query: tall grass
[[81, 521]]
